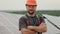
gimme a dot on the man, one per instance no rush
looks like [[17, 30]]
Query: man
[[31, 23]]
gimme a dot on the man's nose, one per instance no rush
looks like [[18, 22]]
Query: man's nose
[[31, 7]]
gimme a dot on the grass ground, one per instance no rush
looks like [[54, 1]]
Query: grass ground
[[39, 12]]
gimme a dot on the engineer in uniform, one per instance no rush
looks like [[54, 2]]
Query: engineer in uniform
[[32, 23]]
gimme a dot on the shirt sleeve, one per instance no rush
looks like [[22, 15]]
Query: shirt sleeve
[[42, 19], [22, 23]]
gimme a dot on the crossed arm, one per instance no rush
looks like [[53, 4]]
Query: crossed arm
[[41, 28], [33, 29], [27, 31]]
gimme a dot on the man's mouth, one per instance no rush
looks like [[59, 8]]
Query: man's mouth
[[31, 10]]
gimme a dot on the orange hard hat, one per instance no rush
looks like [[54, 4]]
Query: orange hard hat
[[31, 2]]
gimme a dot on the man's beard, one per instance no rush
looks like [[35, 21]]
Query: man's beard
[[31, 13]]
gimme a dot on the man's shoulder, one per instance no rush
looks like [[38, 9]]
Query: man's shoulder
[[39, 16], [23, 17]]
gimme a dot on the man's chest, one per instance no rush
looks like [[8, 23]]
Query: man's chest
[[32, 22]]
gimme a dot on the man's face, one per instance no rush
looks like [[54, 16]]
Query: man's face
[[31, 9]]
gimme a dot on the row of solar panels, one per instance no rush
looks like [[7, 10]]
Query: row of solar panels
[[9, 24]]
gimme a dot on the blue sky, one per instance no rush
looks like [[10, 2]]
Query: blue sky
[[20, 4]]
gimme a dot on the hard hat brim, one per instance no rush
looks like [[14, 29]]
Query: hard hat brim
[[30, 4]]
